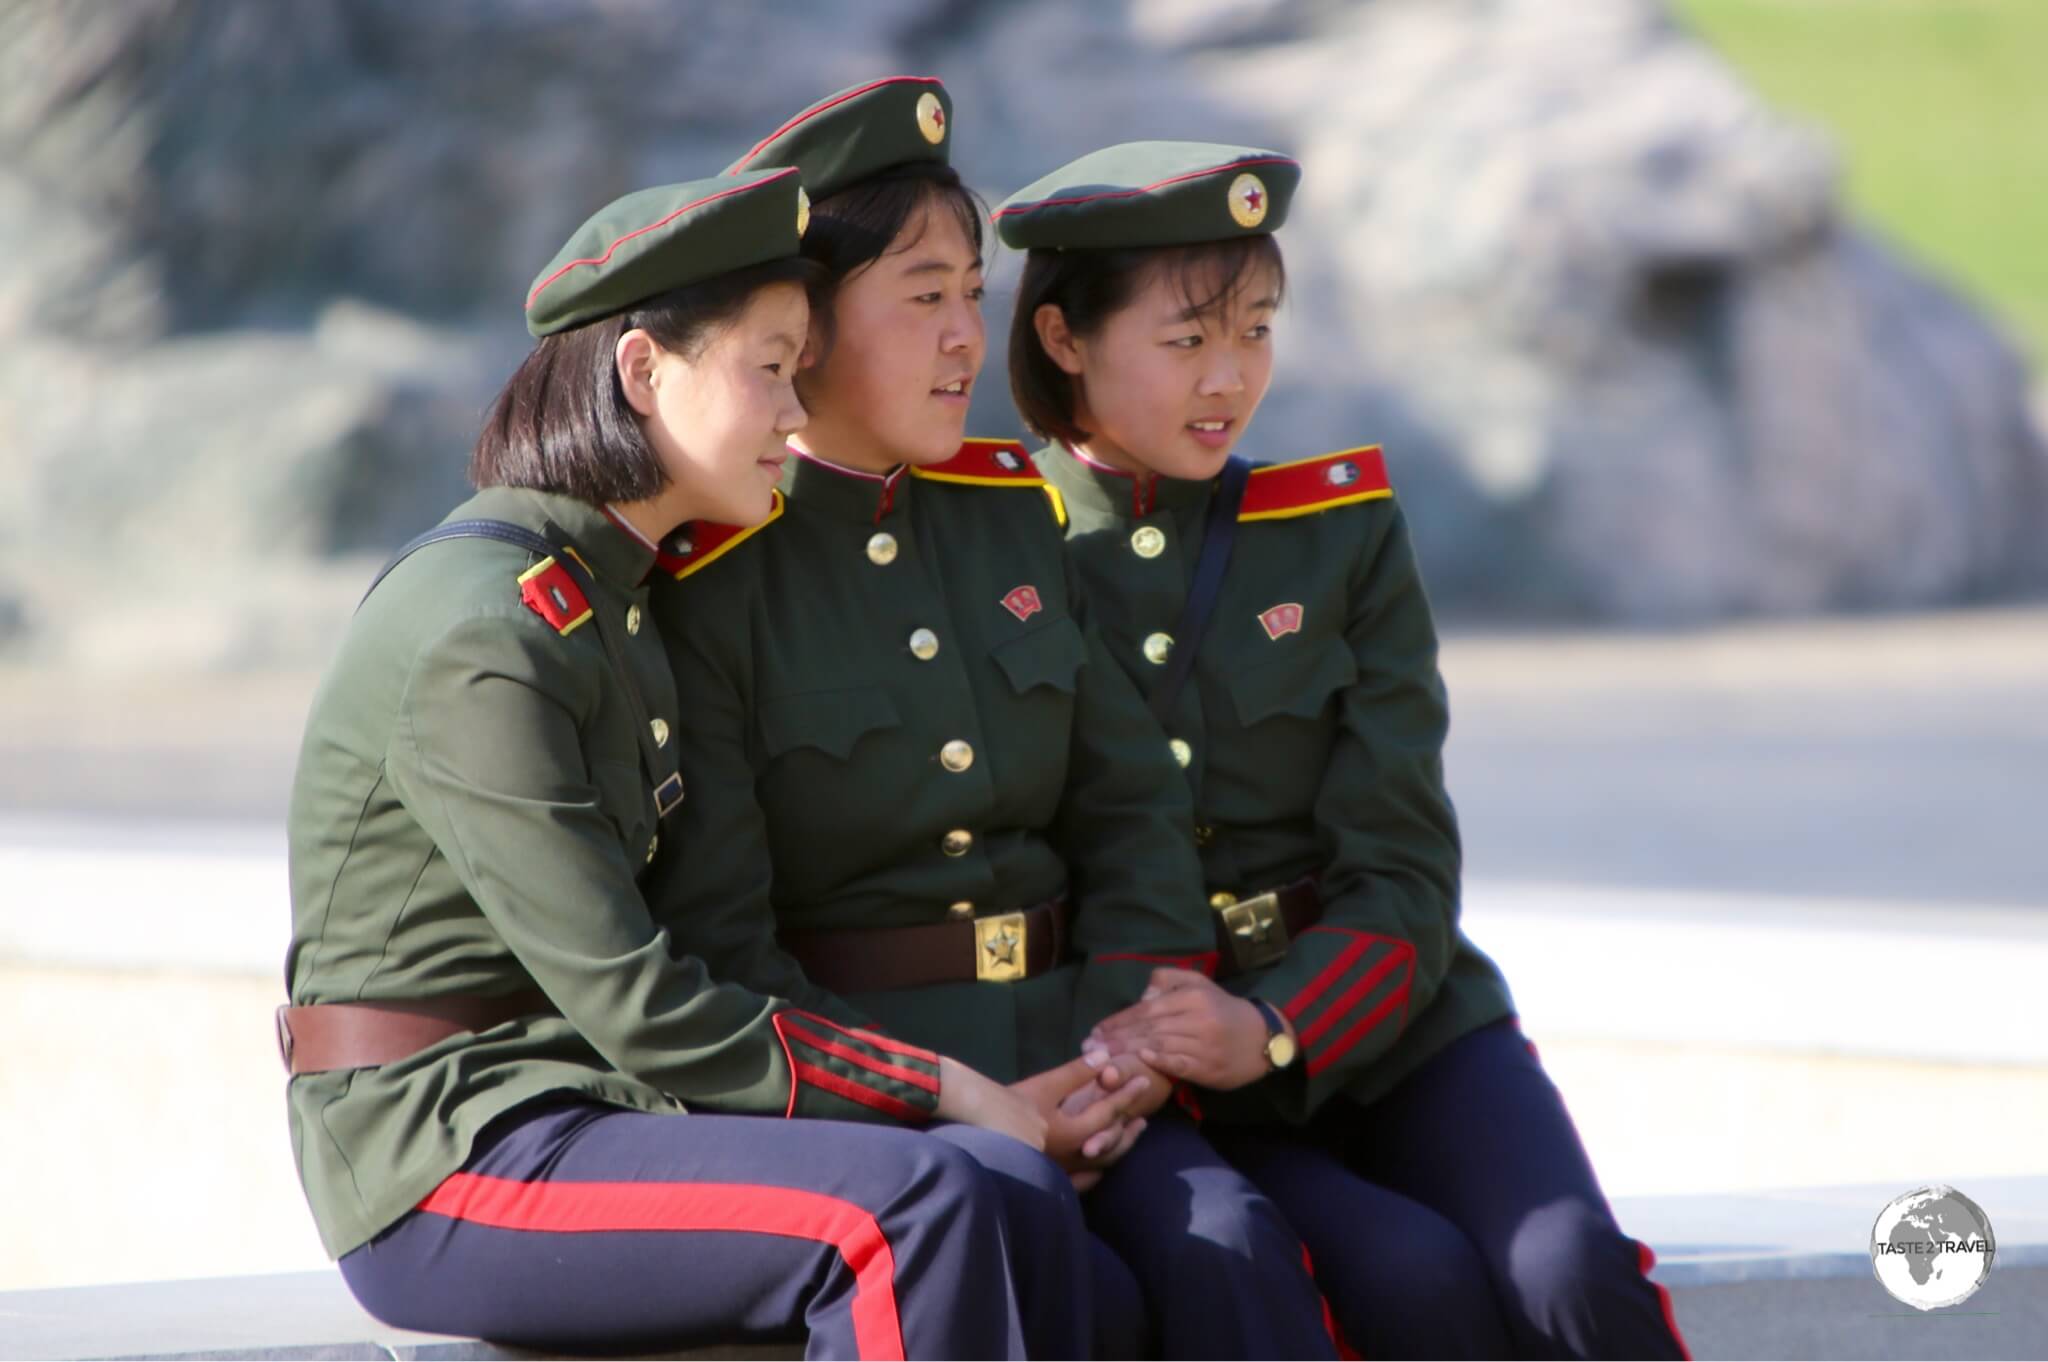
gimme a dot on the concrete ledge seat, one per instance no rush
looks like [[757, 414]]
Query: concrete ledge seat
[[289, 1315], [1765, 1274]]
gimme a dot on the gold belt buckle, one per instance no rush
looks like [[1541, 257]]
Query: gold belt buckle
[[1000, 948], [1255, 928]]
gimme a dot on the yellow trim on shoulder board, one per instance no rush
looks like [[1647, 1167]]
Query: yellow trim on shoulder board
[[536, 570], [1288, 513], [1059, 504], [774, 514], [1260, 469], [971, 479]]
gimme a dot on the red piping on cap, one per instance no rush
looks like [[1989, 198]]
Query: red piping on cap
[[817, 109], [1132, 193], [698, 203]]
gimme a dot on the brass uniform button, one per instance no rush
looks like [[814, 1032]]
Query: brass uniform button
[[1148, 541], [1182, 753], [956, 756], [652, 843], [1204, 834], [1222, 898], [660, 728], [1157, 646], [924, 644], [962, 909], [882, 549], [632, 619], [958, 842]]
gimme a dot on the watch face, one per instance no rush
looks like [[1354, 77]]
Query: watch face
[[1280, 1049]]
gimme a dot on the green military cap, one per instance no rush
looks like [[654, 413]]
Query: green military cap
[[843, 139], [1151, 194], [657, 239]]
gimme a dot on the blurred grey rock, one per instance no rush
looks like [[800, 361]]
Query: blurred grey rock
[[263, 265]]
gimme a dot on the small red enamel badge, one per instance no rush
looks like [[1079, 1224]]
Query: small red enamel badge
[[1281, 619], [1023, 602]]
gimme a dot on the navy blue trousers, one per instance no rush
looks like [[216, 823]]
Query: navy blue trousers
[[585, 1228], [1222, 1272], [1459, 1216]]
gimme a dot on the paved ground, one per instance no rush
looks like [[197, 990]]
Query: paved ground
[[1825, 837]]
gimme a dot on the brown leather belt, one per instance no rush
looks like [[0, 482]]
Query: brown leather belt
[[998, 948], [325, 1036], [1254, 932]]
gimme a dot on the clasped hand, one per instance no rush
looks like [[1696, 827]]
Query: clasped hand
[[1188, 1027]]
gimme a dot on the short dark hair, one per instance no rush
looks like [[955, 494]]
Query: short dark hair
[[1091, 286], [562, 423], [855, 226]]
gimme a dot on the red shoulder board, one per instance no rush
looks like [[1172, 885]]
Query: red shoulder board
[[701, 542], [1279, 490], [550, 592], [1003, 463]]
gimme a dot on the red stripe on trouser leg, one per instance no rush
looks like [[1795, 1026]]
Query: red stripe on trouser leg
[[1345, 1352], [1645, 1260], [722, 1207]]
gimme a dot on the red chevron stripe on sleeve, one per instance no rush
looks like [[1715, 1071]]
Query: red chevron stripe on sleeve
[[1364, 968]]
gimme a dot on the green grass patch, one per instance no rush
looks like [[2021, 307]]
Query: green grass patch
[[1940, 108]]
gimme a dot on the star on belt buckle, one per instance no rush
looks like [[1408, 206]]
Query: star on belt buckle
[[1000, 948], [1256, 931]]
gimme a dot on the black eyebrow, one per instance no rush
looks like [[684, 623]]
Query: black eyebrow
[[937, 267], [1190, 314]]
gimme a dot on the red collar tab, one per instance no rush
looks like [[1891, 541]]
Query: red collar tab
[[697, 544], [1277, 491]]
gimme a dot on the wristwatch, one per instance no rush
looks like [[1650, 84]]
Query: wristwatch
[[1280, 1047]]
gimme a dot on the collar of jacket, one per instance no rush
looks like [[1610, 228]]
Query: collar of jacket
[[616, 555], [1089, 485], [816, 483]]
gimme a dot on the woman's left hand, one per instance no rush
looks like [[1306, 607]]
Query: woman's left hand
[[1191, 1029]]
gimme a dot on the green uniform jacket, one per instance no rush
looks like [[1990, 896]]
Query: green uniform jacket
[[817, 720], [470, 816], [1313, 722]]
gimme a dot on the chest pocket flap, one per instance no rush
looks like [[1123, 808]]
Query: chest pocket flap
[[831, 721], [1050, 655], [1297, 683]]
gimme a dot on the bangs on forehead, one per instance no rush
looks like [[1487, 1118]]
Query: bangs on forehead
[[862, 223], [1210, 276]]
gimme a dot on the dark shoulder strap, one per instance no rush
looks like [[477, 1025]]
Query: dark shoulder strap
[[665, 781], [1219, 532], [502, 531]]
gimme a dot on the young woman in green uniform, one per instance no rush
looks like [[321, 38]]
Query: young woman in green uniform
[[922, 797], [518, 1110], [1360, 1060]]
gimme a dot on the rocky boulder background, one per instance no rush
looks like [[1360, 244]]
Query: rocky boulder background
[[260, 270]]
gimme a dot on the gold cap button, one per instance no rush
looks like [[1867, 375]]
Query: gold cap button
[[1157, 646], [1222, 898], [632, 619], [961, 909], [1148, 541], [882, 549], [660, 727], [956, 756], [958, 842], [924, 644], [1182, 753]]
